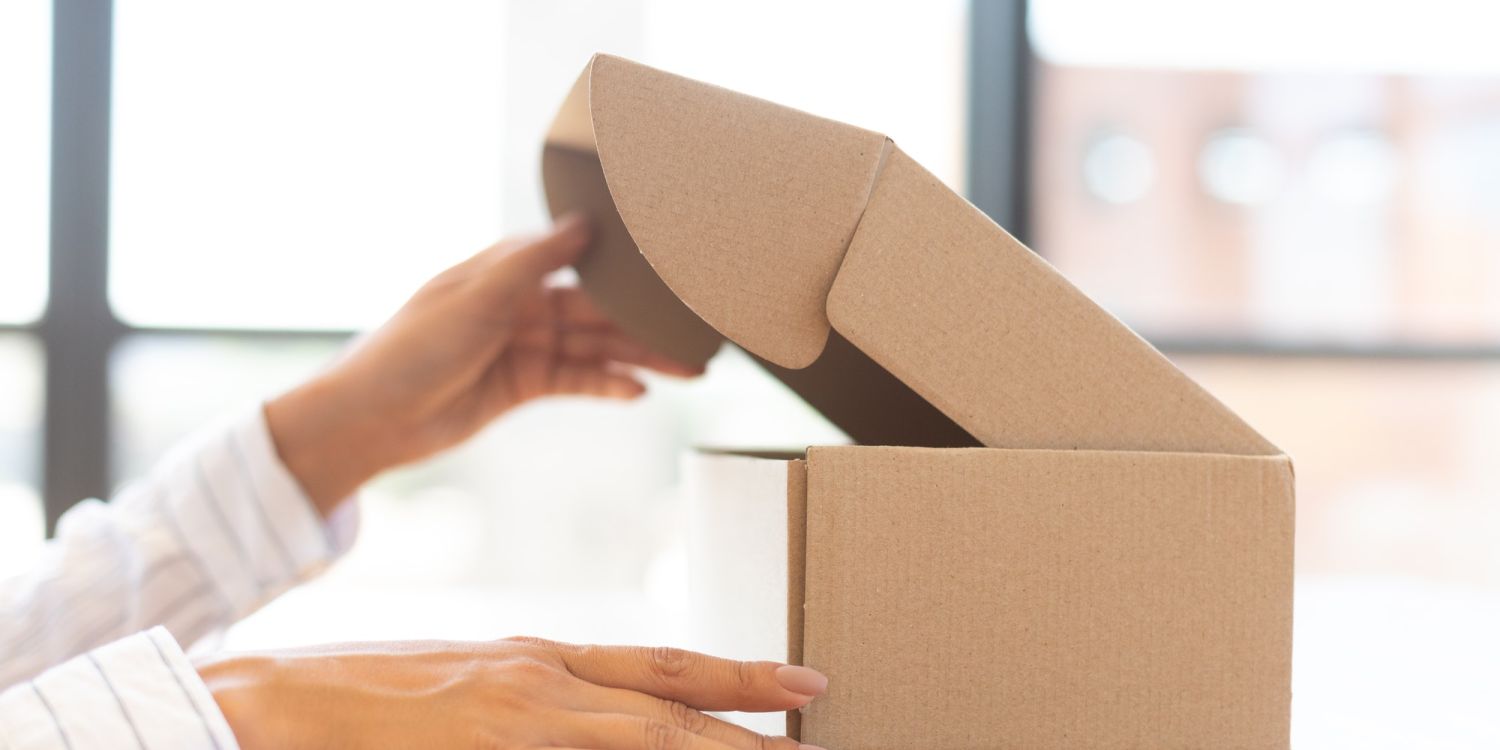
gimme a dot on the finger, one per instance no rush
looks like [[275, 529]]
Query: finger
[[592, 379], [592, 345], [575, 307], [567, 306], [703, 682], [570, 309], [524, 265], [524, 376], [623, 348], [598, 699], [627, 732]]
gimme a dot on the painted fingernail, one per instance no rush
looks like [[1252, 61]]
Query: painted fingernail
[[801, 679]]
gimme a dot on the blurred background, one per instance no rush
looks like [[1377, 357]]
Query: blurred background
[[1299, 202]]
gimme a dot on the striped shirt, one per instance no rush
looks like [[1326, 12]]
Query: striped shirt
[[89, 637]]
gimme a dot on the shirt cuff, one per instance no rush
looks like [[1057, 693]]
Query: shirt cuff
[[140, 691], [244, 518]]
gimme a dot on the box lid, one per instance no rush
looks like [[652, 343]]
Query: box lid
[[886, 300]]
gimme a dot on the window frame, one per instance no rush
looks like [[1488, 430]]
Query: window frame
[[78, 331]]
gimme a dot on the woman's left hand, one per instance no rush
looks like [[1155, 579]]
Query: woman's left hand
[[480, 339]]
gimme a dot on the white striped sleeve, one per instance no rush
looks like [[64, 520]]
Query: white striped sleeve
[[215, 532], [139, 692]]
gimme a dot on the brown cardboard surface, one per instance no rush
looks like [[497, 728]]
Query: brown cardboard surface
[[746, 209], [614, 274], [1048, 599], [1113, 571], [969, 318], [844, 384]]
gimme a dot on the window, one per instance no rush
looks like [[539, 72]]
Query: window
[[894, 67], [274, 196], [25, 95], [304, 144], [25, 98], [1301, 211], [1233, 174], [413, 145], [20, 432], [1307, 227]]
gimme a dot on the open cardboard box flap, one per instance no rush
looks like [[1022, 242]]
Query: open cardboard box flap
[[836, 259], [1118, 575]]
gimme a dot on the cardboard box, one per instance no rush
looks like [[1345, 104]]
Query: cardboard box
[[1047, 537]]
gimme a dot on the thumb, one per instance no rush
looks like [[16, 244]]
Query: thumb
[[525, 265]]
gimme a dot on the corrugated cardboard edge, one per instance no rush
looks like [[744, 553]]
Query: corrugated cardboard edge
[[796, 566]]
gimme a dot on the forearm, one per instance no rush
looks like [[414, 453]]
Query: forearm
[[330, 442]]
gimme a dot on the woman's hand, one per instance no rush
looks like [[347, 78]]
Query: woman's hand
[[478, 340], [515, 693]]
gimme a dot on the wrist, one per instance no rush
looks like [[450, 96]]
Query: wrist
[[324, 441], [229, 683], [245, 690]]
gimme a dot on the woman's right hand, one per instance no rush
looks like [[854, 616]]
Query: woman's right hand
[[513, 693]]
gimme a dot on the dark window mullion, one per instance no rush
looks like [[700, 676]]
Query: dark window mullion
[[78, 329], [1000, 105]]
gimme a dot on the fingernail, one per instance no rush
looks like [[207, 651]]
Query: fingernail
[[806, 746], [801, 679]]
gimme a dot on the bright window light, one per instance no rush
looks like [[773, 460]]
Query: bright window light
[[25, 101], [284, 164], [21, 523], [1437, 36]]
